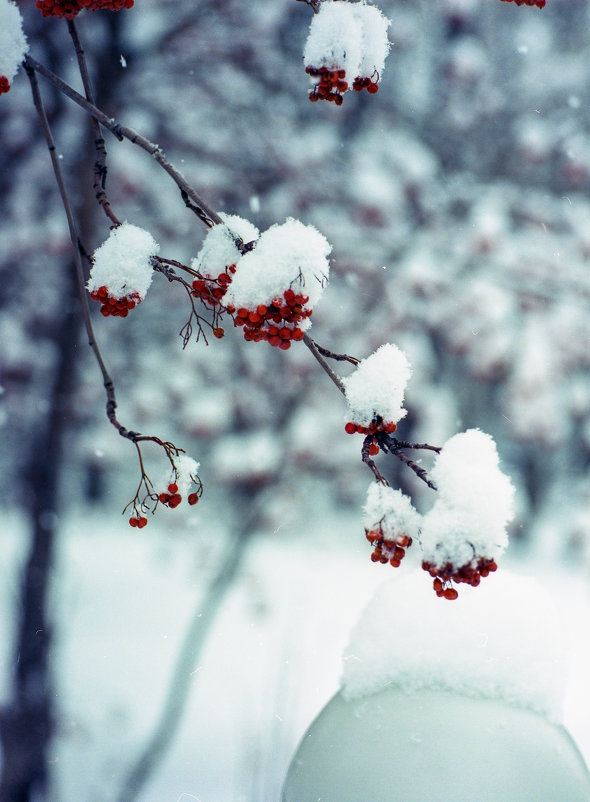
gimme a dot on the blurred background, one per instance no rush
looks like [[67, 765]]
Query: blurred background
[[186, 660]]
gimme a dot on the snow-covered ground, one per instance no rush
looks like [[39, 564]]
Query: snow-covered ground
[[273, 659]]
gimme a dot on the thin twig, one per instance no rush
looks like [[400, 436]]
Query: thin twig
[[315, 351], [394, 447], [198, 205], [111, 403], [338, 357], [100, 165], [370, 463]]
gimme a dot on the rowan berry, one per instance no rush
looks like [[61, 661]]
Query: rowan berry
[[192, 498], [4, 85]]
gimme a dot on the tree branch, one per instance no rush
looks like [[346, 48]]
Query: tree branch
[[198, 205]]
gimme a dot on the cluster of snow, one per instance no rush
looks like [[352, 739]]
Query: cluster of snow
[[219, 248], [287, 256], [347, 36], [123, 264], [13, 42], [377, 386], [390, 510], [501, 640], [474, 503], [184, 476]]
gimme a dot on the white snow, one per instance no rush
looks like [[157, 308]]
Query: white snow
[[390, 510], [186, 472], [13, 42], [474, 503], [377, 386], [219, 249], [501, 640], [335, 38], [375, 45], [287, 256], [122, 263]]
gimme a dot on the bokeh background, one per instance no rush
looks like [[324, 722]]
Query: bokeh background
[[456, 201]]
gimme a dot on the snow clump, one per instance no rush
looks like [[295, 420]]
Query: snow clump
[[474, 505], [13, 43], [376, 388], [219, 249], [345, 49], [501, 641], [290, 256], [123, 264]]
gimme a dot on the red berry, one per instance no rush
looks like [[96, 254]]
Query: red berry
[[373, 449], [173, 488], [218, 332], [142, 522], [450, 593], [193, 498], [133, 522], [350, 428]]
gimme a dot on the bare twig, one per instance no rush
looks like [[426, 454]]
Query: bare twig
[[370, 463], [197, 204], [111, 403], [338, 357], [100, 165], [394, 447], [316, 352]]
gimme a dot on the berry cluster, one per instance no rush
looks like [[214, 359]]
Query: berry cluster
[[377, 426], [276, 323], [469, 574], [70, 8], [330, 84], [211, 290], [173, 498], [138, 520], [371, 86], [114, 307], [387, 550], [538, 3], [4, 85]]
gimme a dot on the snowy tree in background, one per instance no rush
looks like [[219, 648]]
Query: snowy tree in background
[[255, 279]]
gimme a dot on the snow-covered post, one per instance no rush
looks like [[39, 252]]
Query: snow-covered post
[[446, 702]]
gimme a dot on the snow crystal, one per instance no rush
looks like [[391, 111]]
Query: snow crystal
[[390, 509], [219, 248], [377, 386], [335, 38], [375, 44], [500, 640], [291, 255], [13, 42], [474, 504], [122, 263]]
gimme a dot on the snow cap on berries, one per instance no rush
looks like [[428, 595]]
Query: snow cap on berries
[[13, 43], [186, 474], [335, 38], [474, 504], [377, 386], [375, 44], [219, 249], [287, 256], [122, 263], [391, 511]]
